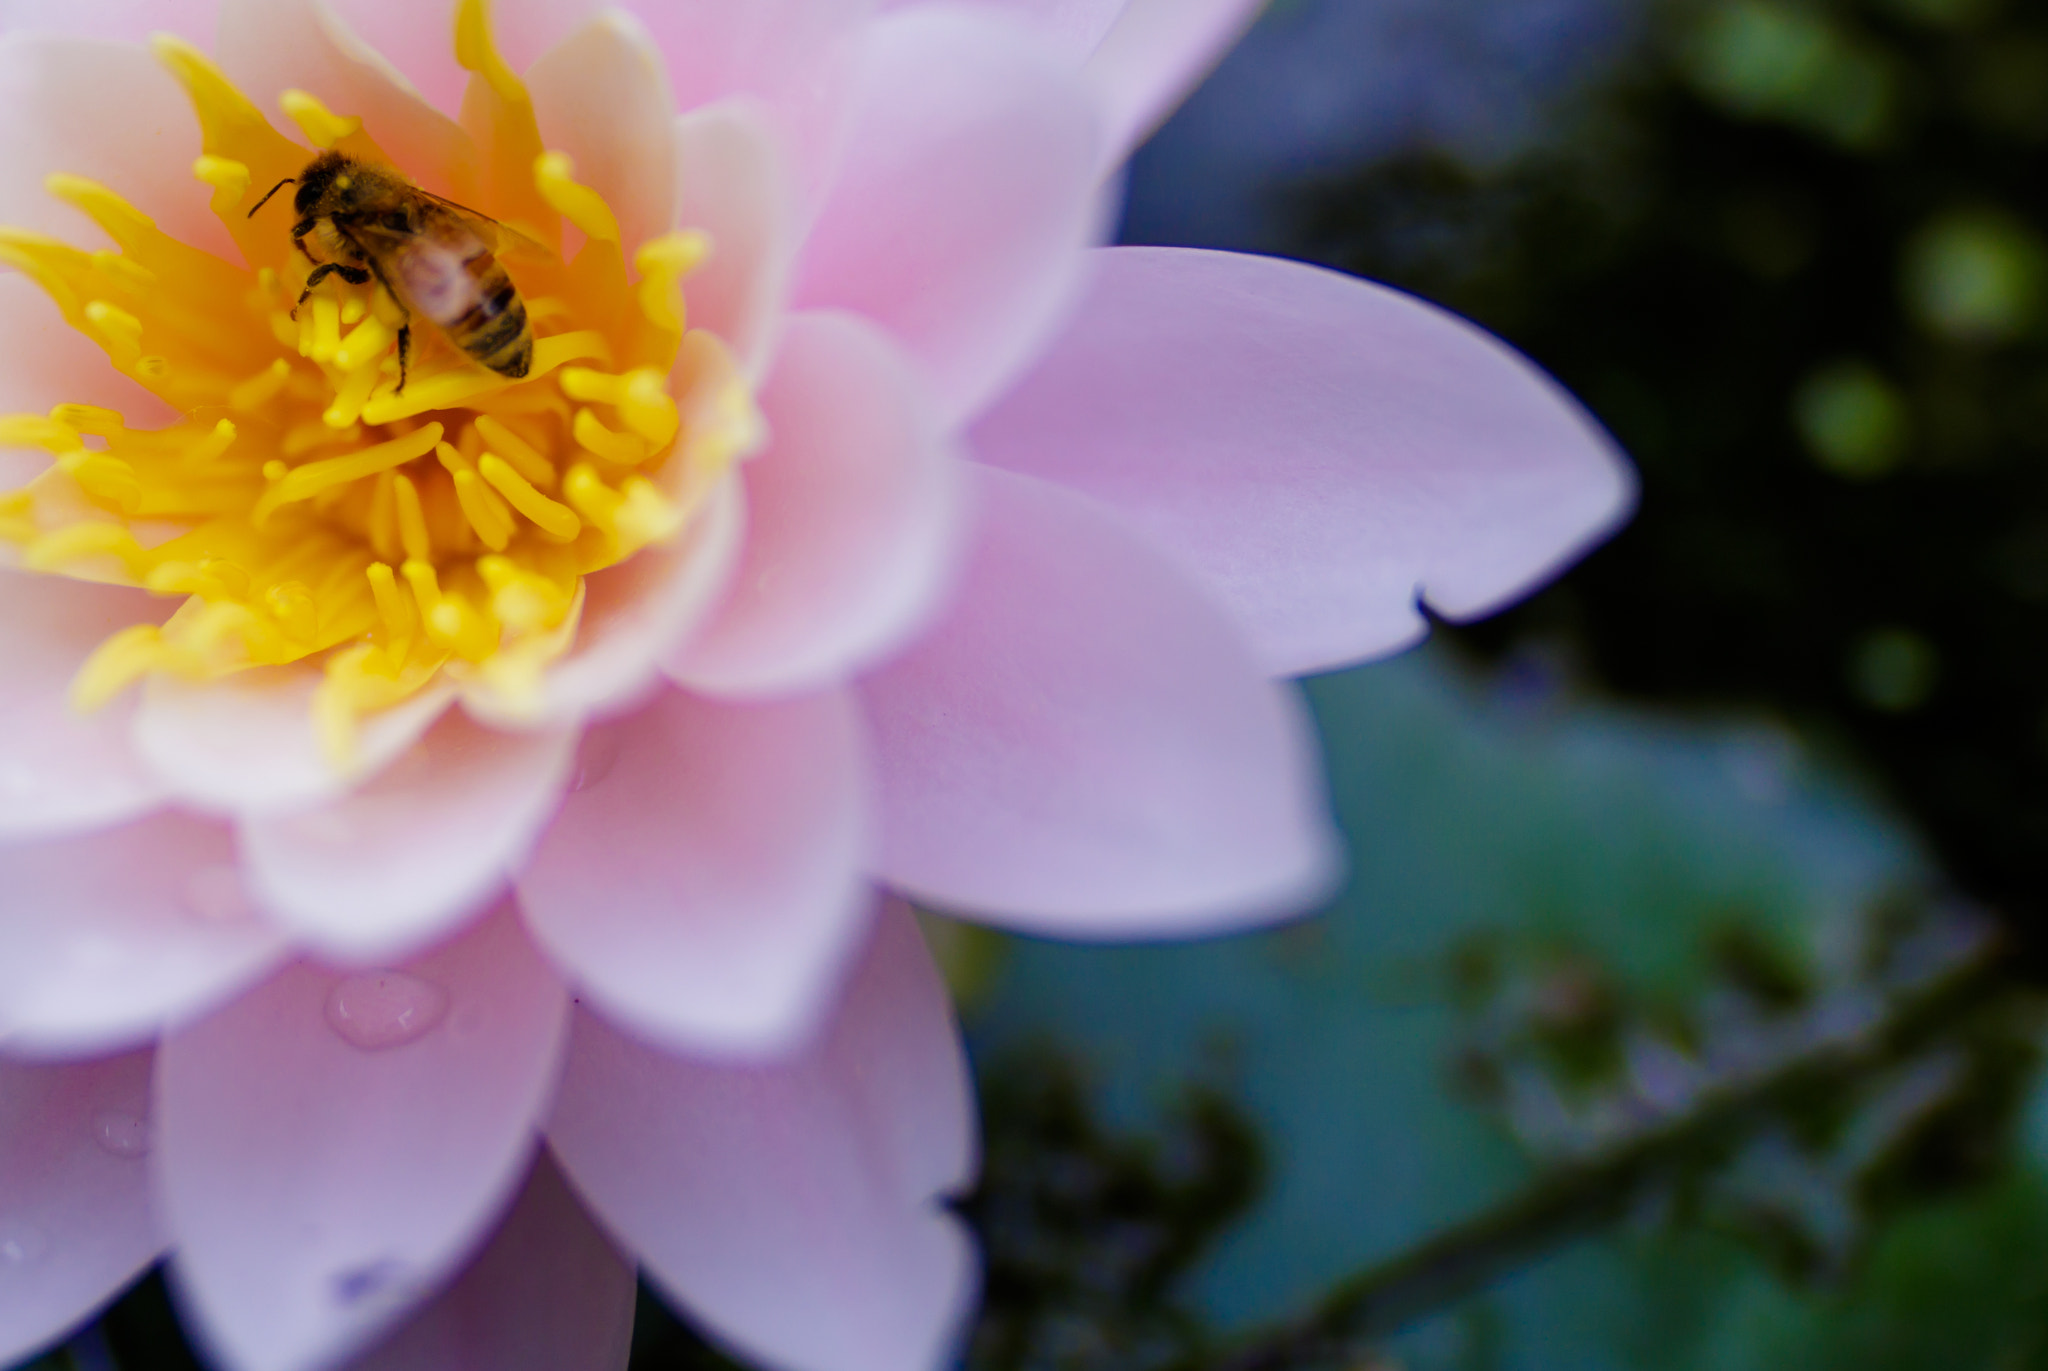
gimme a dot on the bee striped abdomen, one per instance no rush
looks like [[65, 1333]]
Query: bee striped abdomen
[[494, 330]]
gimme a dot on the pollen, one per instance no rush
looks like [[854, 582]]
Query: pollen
[[396, 525]]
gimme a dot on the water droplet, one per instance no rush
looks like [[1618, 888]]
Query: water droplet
[[596, 757], [21, 1244], [121, 1133], [381, 1009], [359, 1283], [216, 895]]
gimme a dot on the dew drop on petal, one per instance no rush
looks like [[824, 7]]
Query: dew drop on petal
[[121, 1133], [382, 1009], [596, 757], [215, 894], [21, 1244], [370, 1279]]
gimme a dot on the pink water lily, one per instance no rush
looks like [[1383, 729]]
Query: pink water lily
[[455, 841]]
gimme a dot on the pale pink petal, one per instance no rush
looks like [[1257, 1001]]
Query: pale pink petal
[[736, 188], [852, 519], [967, 193], [270, 46], [1084, 747], [547, 1293], [75, 1222], [107, 938], [634, 615], [600, 96], [428, 842], [246, 744], [1158, 51], [320, 1189], [1073, 28], [62, 771], [84, 107], [794, 57], [705, 885], [414, 37], [1319, 451], [121, 21], [795, 1209]]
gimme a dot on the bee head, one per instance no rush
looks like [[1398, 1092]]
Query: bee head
[[324, 185]]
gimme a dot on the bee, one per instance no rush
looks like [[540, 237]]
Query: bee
[[433, 257]]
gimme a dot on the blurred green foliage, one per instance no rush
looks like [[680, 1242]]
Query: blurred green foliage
[[1794, 258]]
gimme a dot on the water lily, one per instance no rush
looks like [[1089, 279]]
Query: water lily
[[456, 827]]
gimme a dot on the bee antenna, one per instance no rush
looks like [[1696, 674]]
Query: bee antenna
[[273, 190]]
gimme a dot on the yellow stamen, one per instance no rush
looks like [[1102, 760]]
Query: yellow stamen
[[104, 423], [555, 519], [367, 342], [115, 665], [663, 263], [260, 389], [349, 400], [120, 330], [412, 520], [521, 454], [292, 603], [229, 179], [323, 127], [303, 483], [214, 444], [400, 622], [475, 51], [326, 340], [555, 175], [623, 448]]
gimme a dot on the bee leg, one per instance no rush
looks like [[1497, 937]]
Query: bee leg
[[355, 276], [404, 353]]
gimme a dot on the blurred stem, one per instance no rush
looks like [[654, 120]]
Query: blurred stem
[[1579, 1197]]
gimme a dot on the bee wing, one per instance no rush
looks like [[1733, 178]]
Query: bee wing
[[496, 235]]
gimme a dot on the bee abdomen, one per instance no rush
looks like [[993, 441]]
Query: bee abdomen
[[494, 330]]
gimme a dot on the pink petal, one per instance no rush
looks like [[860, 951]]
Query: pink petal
[[105, 939], [547, 1293], [319, 1189], [1319, 451], [705, 886], [75, 105], [1083, 747], [601, 97], [270, 46], [395, 863], [121, 21], [1159, 51], [62, 771], [795, 1208], [414, 39], [634, 615], [852, 514], [736, 188], [1073, 28], [793, 57], [967, 191], [75, 1222], [245, 744]]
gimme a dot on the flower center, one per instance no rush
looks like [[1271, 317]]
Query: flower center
[[395, 522]]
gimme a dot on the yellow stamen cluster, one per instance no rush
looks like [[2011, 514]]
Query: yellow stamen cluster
[[303, 507]]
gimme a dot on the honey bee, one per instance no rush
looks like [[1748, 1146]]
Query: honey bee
[[433, 257]]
